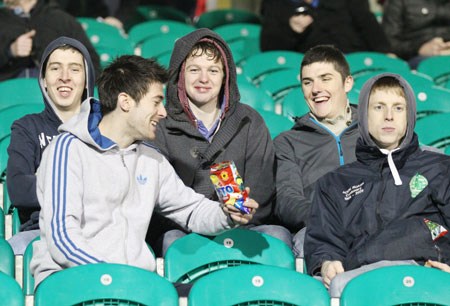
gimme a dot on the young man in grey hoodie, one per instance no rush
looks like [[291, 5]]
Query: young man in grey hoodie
[[99, 184], [389, 207]]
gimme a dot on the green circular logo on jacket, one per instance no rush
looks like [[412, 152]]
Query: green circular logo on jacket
[[417, 184]]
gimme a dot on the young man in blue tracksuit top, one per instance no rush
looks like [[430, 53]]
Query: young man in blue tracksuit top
[[320, 141], [66, 78], [392, 205], [99, 184]]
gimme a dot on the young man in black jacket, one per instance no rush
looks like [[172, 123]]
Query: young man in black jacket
[[66, 78], [391, 206]]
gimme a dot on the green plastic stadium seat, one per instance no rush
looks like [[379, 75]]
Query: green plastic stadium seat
[[276, 123], [2, 224], [255, 97], [258, 285], [28, 279], [20, 91], [164, 59], [213, 19], [104, 35], [150, 29], [437, 67], [10, 293], [159, 46], [12, 113], [353, 96], [398, 285], [431, 100], [7, 258], [447, 150], [194, 256], [239, 31], [156, 12], [365, 62], [4, 144], [294, 104], [108, 54], [105, 284], [279, 83], [434, 130], [256, 67]]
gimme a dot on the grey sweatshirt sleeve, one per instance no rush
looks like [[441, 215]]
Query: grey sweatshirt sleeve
[[184, 206], [292, 206], [60, 193]]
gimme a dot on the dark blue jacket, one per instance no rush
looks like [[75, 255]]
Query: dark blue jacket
[[30, 135]]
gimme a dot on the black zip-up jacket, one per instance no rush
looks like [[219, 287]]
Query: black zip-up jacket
[[409, 24], [49, 23], [30, 136], [303, 155], [360, 216]]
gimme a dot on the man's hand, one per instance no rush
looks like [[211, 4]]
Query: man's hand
[[22, 46], [438, 265], [433, 47], [299, 23], [329, 270], [239, 216]]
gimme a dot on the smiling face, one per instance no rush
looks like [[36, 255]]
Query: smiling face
[[203, 79], [324, 90], [387, 118], [65, 79], [145, 115]]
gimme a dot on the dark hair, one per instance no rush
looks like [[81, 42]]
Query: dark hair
[[209, 49], [63, 47], [130, 74], [388, 83], [327, 54]]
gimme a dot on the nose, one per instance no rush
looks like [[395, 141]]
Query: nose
[[316, 87], [388, 114], [65, 75], [162, 111], [203, 76]]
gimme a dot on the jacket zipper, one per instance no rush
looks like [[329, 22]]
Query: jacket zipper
[[122, 211], [379, 198]]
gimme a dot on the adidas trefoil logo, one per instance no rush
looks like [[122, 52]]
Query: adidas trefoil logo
[[141, 180]]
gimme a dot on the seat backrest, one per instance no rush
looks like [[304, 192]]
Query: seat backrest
[[4, 144], [434, 130], [193, 256], [294, 104], [10, 293], [431, 99], [256, 67], [255, 97], [98, 284], [7, 258], [156, 12], [276, 123], [215, 18], [28, 279], [159, 45], [365, 62], [398, 285], [12, 113], [20, 91], [437, 67], [239, 31], [104, 35], [157, 28], [279, 83], [258, 285]]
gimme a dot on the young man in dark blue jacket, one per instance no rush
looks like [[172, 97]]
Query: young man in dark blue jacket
[[392, 205], [66, 78]]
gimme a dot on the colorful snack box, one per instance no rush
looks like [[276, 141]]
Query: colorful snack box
[[229, 185]]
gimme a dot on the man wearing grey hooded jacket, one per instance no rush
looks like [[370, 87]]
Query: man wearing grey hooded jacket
[[98, 184], [392, 205]]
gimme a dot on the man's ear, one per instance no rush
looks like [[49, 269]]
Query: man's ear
[[125, 102], [348, 83]]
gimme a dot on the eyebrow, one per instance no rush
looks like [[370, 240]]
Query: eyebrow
[[320, 76], [59, 63]]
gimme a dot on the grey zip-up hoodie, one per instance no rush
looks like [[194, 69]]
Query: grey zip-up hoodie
[[97, 199]]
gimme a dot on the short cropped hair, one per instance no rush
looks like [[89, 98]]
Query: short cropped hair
[[130, 74], [388, 83], [327, 54], [63, 47], [209, 49]]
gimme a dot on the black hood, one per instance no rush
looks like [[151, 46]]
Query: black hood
[[183, 46], [364, 103], [89, 68]]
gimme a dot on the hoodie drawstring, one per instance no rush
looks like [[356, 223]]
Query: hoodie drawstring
[[392, 166]]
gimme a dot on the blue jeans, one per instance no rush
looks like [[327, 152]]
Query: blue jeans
[[21, 240]]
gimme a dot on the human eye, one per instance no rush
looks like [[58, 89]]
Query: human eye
[[306, 82], [378, 107], [54, 68], [399, 108], [193, 70]]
